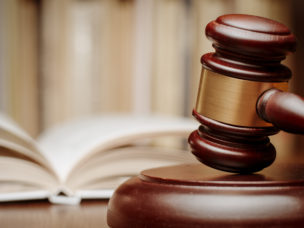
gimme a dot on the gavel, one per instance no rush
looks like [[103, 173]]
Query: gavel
[[242, 97]]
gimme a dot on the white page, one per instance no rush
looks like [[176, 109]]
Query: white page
[[67, 144], [15, 138], [9, 125], [120, 163], [25, 195], [23, 171]]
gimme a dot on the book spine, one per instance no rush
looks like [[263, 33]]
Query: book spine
[[19, 63], [143, 56]]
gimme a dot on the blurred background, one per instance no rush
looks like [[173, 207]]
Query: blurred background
[[61, 59]]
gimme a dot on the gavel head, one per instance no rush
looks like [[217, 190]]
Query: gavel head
[[246, 63]]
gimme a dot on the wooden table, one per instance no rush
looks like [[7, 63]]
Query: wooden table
[[44, 214]]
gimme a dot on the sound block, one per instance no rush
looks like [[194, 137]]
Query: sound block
[[197, 196]]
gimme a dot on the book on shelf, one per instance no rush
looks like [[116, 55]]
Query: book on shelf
[[86, 158]]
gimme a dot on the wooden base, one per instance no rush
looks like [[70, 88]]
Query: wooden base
[[197, 196]]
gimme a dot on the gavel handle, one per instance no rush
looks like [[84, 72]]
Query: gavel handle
[[284, 110]]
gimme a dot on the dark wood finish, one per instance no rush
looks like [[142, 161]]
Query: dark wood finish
[[249, 47], [43, 214], [197, 196], [232, 148], [246, 47], [284, 110], [297, 84]]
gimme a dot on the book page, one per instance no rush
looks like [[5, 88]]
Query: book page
[[16, 172], [19, 143], [24, 193], [66, 145], [107, 170]]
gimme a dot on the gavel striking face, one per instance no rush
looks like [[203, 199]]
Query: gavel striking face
[[242, 96]]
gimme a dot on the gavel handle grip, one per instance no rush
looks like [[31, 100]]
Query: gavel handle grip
[[284, 110]]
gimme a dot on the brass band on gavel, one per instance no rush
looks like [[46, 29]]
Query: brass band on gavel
[[232, 100]]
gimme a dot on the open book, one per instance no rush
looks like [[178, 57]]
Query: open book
[[85, 158]]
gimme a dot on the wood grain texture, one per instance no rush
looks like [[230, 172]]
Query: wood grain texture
[[43, 214]]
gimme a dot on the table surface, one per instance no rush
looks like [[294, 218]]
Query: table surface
[[44, 214], [89, 213]]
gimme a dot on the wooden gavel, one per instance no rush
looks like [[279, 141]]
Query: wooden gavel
[[242, 99], [242, 96]]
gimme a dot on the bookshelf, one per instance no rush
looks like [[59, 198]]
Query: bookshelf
[[64, 59]]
